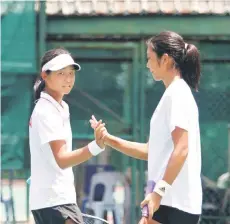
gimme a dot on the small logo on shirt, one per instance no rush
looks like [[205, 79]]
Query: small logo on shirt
[[30, 123]]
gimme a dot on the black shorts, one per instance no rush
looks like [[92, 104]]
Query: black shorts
[[58, 214], [169, 215]]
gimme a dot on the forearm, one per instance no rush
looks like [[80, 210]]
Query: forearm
[[175, 164], [133, 149], [73, 158]]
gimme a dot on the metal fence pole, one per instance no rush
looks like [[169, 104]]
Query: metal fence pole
[[42, 29], [142, 114], [229, 155], [135, 135]]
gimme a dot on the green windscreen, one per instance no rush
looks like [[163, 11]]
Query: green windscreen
[[18, 40]]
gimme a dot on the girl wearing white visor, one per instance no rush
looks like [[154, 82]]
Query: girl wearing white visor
[[52, 191], [173, 152]]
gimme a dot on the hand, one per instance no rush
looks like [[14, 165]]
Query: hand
[[93, 121], [153, 201], [99, 131], [143, 220], [99, 134]]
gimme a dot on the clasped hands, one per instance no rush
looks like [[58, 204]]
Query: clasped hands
[[100, 131]]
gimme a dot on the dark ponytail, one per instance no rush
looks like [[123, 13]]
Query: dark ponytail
[[39, 85], [190, 67], [186, 56]]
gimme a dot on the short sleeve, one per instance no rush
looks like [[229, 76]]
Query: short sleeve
[[178, 112], [50, 127]]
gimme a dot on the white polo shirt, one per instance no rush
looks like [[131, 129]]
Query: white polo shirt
[[177, 107], [50, 185]]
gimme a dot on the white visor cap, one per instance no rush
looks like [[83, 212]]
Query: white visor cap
[[60, 62]]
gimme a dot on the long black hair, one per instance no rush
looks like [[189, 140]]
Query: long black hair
[[186, 56], [39, 85]]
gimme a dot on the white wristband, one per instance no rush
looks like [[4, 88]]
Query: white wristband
[[94, 148], [161, 188]]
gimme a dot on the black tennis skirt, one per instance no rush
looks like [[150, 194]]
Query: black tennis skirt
[[169, 215], [58, 214]]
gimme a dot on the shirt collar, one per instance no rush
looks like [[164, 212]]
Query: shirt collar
[[62, 108]]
